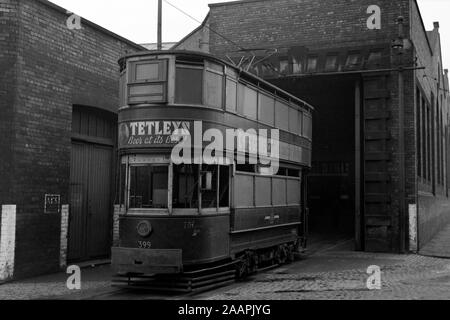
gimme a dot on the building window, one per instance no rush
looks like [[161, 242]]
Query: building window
[[296, 66], [419, 133], [353, 60], [429, 149], [374, 59], [312, 64], [438, 142], [284, 66], [424, 139], [149, 187], [331, 63]]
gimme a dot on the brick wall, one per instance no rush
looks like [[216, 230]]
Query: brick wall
[[197, 40], [315, 24], [57, 68], [433, 201], [8, 67]]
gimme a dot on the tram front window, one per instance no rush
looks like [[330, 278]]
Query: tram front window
[[185, 186], [149, 187]]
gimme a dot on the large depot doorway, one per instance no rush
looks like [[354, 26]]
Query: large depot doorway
[[91, 184], [332, 183]]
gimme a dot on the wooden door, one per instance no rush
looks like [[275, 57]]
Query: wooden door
[[90, 202]]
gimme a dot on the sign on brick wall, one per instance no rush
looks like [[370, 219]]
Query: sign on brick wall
[[52, 203]]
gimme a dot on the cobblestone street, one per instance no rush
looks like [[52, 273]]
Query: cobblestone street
[[341, 274], [328, 272], [95, 281]]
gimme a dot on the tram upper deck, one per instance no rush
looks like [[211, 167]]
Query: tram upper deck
[[163, 91]]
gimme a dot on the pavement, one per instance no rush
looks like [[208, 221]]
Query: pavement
[[439, 246], [331, 270], [94, 281]]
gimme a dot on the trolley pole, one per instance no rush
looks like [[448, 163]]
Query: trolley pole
[[159, 25]]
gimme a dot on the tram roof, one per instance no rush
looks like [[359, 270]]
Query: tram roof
[[248, 76]]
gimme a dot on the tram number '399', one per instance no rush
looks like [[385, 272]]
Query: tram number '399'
[[144, 244]]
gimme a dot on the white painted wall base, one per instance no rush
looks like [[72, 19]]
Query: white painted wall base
[[118, 210], [413, 240], [7, 241], [64, 236]]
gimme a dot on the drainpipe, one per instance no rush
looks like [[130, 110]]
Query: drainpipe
[[398, 46]]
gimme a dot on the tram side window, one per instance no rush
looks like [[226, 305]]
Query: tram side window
[[209, 187], [189, 84], [231, 96], [247, 101], [282, 116], [224, 187], [266, 109], [185, 187], [307, 126], [214, 186], [122, 178], [149, 187], [214, 85]]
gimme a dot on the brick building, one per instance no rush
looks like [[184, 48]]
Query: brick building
[[59, 85], [381, 125]]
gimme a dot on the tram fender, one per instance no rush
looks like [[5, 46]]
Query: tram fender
[[147, 261]]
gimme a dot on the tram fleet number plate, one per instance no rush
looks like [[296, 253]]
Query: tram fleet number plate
[[144, 244]]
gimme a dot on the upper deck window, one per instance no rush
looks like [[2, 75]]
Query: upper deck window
[[147, 81], [266, 109], [281, 116], [214, 85], [231, 96], [189, 84], [247, 101], [294, 126], [307, 126]]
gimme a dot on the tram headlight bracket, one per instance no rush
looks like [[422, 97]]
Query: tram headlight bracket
[[144, 229]]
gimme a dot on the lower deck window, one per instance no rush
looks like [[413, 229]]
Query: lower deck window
[[213, 182], [209, 186], [149, 187], [185, 187]]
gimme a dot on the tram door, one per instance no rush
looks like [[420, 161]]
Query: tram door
[[91, 181]]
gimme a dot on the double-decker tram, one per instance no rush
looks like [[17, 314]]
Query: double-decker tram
[[212, 171]]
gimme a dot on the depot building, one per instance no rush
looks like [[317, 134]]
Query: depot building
[[375, 75]]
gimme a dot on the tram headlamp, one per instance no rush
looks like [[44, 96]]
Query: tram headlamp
[[144, 228]]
